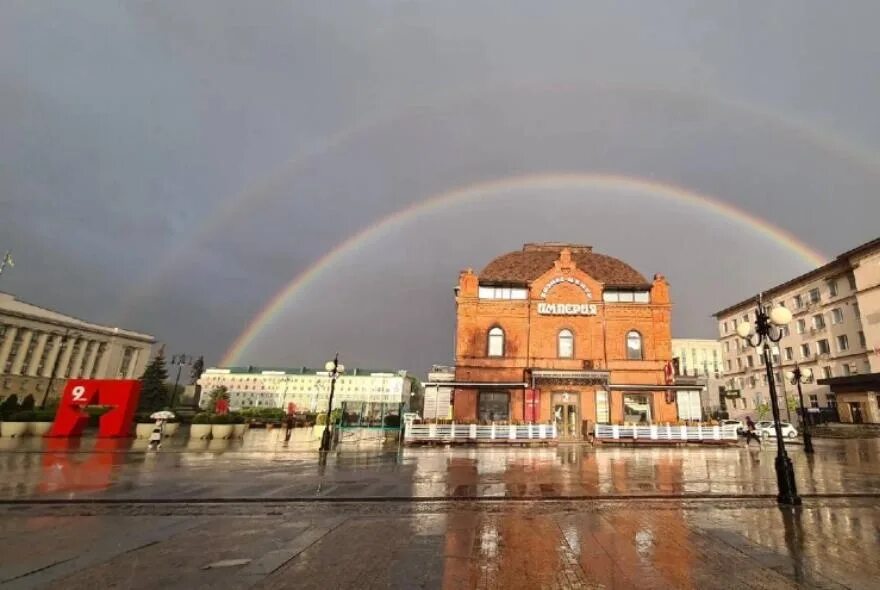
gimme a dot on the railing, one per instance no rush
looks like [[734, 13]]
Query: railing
[[480, 433], [665, 432]]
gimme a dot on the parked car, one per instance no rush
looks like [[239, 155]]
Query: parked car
[[740, 427], [767, 429]]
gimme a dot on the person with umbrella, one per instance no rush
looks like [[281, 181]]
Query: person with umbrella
[[159, 428]]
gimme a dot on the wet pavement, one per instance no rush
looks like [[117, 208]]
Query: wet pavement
[[828, 543], [259, 514], [262, 467]]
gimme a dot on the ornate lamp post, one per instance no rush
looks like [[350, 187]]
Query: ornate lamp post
[[767, 330], [799, 376], [334, 370]]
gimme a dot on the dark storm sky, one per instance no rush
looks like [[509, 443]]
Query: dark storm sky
[[169, 166]]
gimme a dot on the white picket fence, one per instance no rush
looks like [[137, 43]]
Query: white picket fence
[[416, 433], [665, 432]]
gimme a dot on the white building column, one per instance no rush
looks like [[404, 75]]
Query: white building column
[[18, 362], [90, 363], [9, 338], [65, 357], [78, 359], [132, 364], [53, 355], [104, 363], [39, 349]]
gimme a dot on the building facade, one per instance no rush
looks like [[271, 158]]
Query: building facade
[[700, 359], [557, 333], [835, 332], [438, 397], [35, 342], [307, 389]]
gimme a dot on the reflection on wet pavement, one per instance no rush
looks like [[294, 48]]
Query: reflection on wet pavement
[[625, 536], [581, 544], [263, 467]]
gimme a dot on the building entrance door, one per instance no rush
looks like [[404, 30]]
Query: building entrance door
[[566, 415], [856, 409]]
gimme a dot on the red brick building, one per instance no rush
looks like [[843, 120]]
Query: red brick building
[[559, 333]]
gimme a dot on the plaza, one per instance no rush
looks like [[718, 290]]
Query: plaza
[[259, 513]]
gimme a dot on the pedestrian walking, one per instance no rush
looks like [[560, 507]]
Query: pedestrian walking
[[751, 432], [156, 435], [288, 427]]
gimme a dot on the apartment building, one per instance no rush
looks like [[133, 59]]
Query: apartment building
[[835, 332], [701, 360]]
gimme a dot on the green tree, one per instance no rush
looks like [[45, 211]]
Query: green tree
[[216, 395], [27, 404], [198, 367], [763, 411], [9, 406], [154, 393]]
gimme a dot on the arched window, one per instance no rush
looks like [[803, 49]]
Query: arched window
[[565, 345], [496, 342], [634, 346]]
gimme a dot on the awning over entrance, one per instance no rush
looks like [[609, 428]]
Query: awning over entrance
[[477, 384], [853, 383], [621, 387]]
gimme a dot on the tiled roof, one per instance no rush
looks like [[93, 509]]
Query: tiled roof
[[534, 260]]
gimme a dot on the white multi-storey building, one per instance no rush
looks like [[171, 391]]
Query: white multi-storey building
[[307, 389], [835, 332], [40, 347], [701, 359]]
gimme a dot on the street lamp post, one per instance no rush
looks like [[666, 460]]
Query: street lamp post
[[64, 342], [334, 369], [180, 360], [767, 330], [799, 376]]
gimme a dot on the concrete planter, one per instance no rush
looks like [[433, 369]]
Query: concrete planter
[[14, 429], [144, 430], [238, 430], [40, 428], [171, 429], [221, 431], [201, 431]]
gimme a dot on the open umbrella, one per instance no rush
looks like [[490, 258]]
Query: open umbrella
[[162, 415]]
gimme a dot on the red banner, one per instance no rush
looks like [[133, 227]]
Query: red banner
[[120, 395], [533, 405]]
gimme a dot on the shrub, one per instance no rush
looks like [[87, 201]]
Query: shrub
[[237, 418], [28, 403], [22, 416], [9, 406], [221, 419], [143, 418], [202, 418], [45, 415], [392, 421]]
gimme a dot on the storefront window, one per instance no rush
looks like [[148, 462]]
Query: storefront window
[[636, 408], [494, 407], [602, 411]]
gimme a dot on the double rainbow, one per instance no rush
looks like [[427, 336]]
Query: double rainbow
[[547, 181]]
